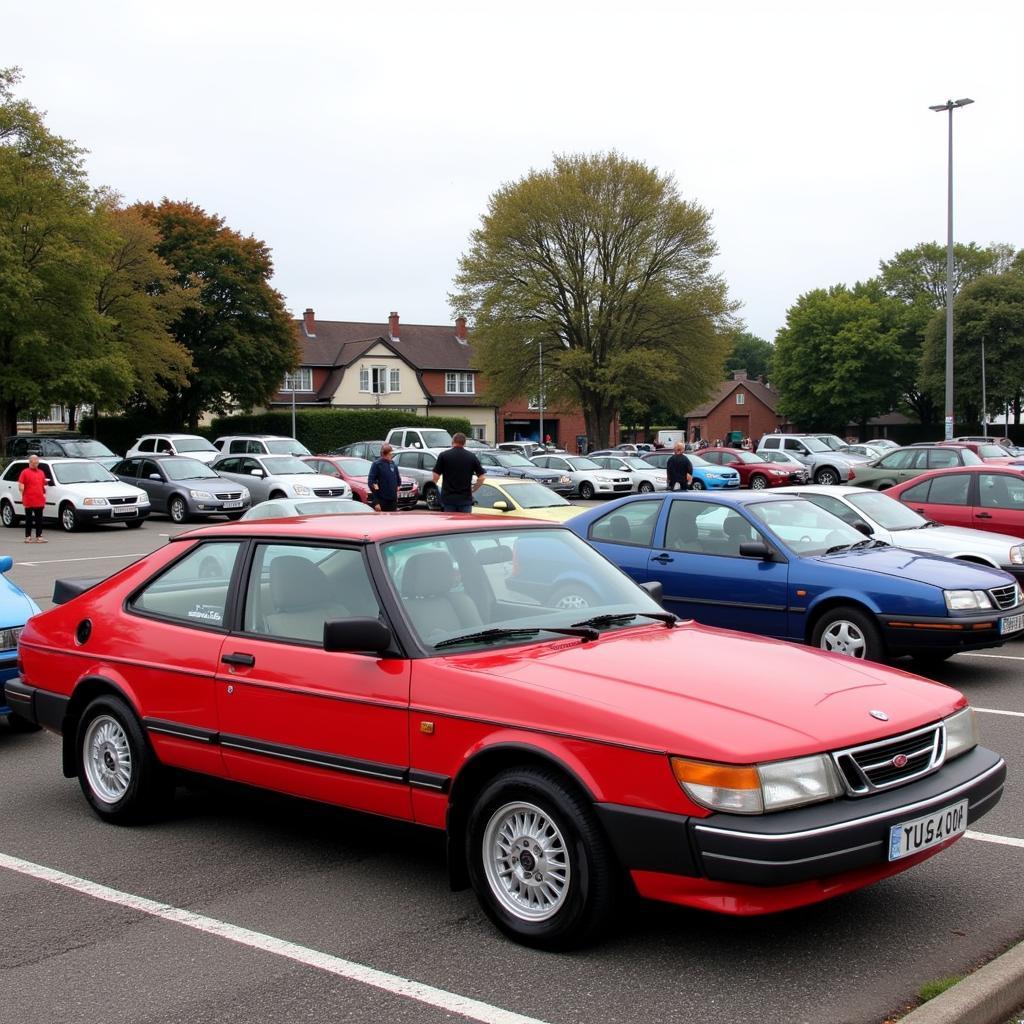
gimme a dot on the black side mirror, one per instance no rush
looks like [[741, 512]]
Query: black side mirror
[[755, 549], [864, 528], [356, 635], [655, 589]]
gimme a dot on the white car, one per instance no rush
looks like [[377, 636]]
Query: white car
[[891, 521], [260, 444], [279, 476], [589, 480], [78, 491], [192, 445], [645, 477], [283, 508]]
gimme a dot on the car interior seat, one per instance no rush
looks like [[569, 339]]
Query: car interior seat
[[302, 599], [428, 583], [618, 528]]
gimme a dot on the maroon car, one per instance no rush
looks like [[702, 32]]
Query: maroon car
[[755, 472]]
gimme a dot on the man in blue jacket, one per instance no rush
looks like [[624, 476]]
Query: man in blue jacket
[[384, 480]]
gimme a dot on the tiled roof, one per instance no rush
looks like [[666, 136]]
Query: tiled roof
[[760, 391], [424, 346]]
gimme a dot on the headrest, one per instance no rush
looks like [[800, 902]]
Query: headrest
[[428, 574], [296, 584]]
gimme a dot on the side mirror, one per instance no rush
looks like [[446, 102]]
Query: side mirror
[[655, 589], [755, 549], [255, 472], [361, 634], [501, 506], [864, 528], [154, 476]]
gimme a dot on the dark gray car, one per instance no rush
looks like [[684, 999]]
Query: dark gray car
[[184, 488]]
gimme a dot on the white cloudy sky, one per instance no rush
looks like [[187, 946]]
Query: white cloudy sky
[[361, 141]]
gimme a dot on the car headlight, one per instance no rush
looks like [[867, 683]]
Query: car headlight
[[961, 733], [142, 499], [9, 638], [1017, 554], [94, 501], [302, 490], [966, 600], [565, 479], [756, 789], [202, 495]]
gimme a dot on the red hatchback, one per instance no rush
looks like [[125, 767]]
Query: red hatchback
[[989, 497], [987, 451], [354, 471], [391, 664], [755, 472]]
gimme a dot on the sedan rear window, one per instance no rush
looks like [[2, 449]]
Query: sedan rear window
[[193, 590]]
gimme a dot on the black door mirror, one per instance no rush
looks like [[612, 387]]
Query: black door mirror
[[356, 635], [755, 549], [655, 589], [864, 528]]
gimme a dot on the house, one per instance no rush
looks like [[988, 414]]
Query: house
[[416, 368], [740, 404]]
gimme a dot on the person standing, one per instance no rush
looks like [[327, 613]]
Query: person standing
[[383, 481], [679, 469], [32, 484], [455, 469]]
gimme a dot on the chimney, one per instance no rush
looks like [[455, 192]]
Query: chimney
[[309, 323], [739, 374], [460, 329], [393, 325]]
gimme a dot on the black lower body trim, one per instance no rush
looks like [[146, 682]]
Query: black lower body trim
[[316, 758], [37, 706], [648, 840], [185, 732]]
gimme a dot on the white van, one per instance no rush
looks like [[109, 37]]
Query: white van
[[433, 439]]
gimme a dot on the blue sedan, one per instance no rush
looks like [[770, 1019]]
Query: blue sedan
[[15, 609], [780, 566], [706, 475]]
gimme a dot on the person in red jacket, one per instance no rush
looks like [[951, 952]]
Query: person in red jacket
[[32, 484]]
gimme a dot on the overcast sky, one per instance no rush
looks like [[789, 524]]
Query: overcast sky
[[361, 142]]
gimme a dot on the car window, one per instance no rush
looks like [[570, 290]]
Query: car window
[[939, 458], [427, 460], [126, 467], [715, 457], [835, 506], [898, 460], [630, 524], [409, 459], [793, 445], [968, 458], [920, 459], [164, 446], [227, 466], [487, 495], [950, 489], [237, 445], [804, 526], [149, 467], [771, 442], [147, 444], [919, 492], [1000, 490], [294, 589], [14, 470], [193, 590], [51, 448], [889, 513], [991, 451]]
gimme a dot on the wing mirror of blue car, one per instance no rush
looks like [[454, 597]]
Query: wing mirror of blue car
[[655, 589], [864, 528], [357, 634], [755, 549]]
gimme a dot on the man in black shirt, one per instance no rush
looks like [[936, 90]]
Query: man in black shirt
[[455, 469], [679, 469]]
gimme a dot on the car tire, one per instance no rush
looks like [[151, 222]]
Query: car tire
[[277, 495], [119, 774], [432, 498], [849, 631], [758, 482], [68, 523], [8, 516], [177, 509], [827, 477], [586, 490], [528, 822], [931, 659], [573, 597], [646, 487], [232, 516], [696, 484]]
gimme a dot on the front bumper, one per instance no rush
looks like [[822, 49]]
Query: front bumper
[[713, 484], [916, 634], [217, 508], [105, 514]]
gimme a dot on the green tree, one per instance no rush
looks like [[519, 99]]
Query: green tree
[[599, 260], [750, 353], [838, 359], [235, 327]]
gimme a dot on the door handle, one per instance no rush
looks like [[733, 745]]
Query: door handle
[[248, 660], [982, 515], [662, 559], [920, 511]]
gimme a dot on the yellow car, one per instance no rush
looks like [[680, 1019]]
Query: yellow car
[[525, 499]]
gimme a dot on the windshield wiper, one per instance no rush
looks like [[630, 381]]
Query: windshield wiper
[[485, 635], [600, 621], [853, 547]]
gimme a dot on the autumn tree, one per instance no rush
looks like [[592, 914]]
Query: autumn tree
[[600, 261]]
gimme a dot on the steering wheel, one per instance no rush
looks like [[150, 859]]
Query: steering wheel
[[805, 540]]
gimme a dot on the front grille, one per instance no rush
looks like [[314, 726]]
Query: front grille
[[229, 496], [122, 501], [870, 767], [405, 487], [329, 492], [1004, 597]]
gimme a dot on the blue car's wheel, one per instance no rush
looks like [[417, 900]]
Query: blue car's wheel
[[697, 484], [849, 631]]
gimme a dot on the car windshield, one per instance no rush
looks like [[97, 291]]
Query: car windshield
[[513, 459], [992, 451], [635, 463], [81, 473], [286, 446], [470, 589], [815, 444], [831, 441], [312, 507], [579, 463], [280, 465], [805, 528], [887, 512], [748, 457], [436, 438], [532, 495], [88, 450], [193, 444], [355, 467], [186, 469]]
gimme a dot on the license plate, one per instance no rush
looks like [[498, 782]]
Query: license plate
[[133, 511], [232, 504], [1011, 623], [914, 836]]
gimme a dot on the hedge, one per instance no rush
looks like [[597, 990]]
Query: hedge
[[319, 430]]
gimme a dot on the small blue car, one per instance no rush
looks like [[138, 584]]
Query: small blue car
[[706, 475], [780, 566], [15, 609]]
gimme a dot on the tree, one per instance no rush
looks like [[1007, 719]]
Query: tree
[[235, 327], [838, 359], [600, 261], [750, 353]]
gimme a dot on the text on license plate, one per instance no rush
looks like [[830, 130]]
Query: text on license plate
[[232, 504], [1011, 623], [133, 511], [921, 833]]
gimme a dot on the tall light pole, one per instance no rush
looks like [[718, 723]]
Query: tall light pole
[[949, 105], [540, 400]]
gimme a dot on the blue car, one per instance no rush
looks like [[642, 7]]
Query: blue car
[[780, 566], [15, 609], [706, 475]]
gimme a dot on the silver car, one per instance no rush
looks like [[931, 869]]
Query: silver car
[[825, 465], [894, 523], [184, 488], [589, 480], [645, 477], [283, 508], [279, 476]]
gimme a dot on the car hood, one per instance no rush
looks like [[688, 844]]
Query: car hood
[[705, 692], [944, 573], [106, 489], [309, 479], [554, 514], [958, 540]]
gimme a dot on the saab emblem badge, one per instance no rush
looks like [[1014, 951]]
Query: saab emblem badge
[[880, 715], [899, 761]]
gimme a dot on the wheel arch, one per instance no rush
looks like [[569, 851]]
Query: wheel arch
[[975, 559], [836, 600], [86, 690]]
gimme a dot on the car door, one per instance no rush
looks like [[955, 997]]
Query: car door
[[485, 497], [798, 451], [945, 498], [10, 489], [154, 482], [998, 503], [329, 726], [259, 486], [696, 558], [625, 536]]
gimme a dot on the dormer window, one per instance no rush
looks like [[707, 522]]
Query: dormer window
[[459, 384], [300, 380]]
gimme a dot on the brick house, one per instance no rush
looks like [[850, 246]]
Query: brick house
[[749, 406], [520, 421]]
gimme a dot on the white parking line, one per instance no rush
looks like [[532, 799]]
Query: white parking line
[[90, 558], [993, 711], [447, 1001], [985, 837], [998, 657]]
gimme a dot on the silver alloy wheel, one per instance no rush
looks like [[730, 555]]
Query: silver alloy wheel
[[828, 478], [7, 514], [845, 637], [107, 758], [526, 861], [67, 518], [758, 482], [178, 510]]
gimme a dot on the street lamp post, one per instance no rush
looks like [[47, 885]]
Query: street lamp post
[[949, 105], [540, 398]]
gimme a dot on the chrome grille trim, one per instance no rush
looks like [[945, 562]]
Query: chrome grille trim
[[1004, 597], [868, 767], [229, 496]]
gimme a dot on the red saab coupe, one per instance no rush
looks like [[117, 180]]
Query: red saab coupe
[[391, 664]]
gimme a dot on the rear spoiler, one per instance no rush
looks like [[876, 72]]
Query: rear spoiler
[[65, 590]]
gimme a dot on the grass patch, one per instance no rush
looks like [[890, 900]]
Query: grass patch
[[936, 988]]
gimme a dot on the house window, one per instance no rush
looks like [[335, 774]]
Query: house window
[[740, 398], [534, 401], [379, 380], [300, 380], [479, 431], [459, 384]]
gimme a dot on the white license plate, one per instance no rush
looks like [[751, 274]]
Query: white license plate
[[911, 837], [1011, 623], [232, 504], [133, 511]]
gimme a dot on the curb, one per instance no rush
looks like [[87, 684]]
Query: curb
[[988, 996]]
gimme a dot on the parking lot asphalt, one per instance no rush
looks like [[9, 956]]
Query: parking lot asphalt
[[242, 905]]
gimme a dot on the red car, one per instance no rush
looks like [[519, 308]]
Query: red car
[[354, 472], [390, 664], [987, 451], [988, 497], [755, 472]]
